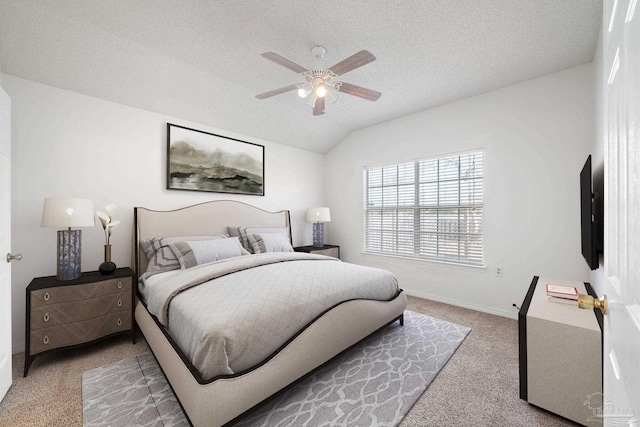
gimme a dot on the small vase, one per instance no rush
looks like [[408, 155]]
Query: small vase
[[107, 267]]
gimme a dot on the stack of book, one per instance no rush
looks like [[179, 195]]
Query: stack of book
[[562, 294]]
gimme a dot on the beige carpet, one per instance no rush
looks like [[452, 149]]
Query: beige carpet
[[477, 387]]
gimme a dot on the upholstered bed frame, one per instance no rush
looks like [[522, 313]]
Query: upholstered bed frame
[[220, 401]]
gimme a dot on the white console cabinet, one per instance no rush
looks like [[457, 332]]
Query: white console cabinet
[[561, 354]]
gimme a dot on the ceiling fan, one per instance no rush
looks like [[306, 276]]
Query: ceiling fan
[[320, 85]]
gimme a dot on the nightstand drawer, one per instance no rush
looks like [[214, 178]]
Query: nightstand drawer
[[70, 312], [79, 332], [59, 294]]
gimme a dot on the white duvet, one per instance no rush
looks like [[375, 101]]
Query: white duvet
[[230, 315]]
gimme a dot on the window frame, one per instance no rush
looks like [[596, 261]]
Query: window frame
[[417, 207]]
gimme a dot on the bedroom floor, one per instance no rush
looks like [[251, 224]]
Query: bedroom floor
[[477, 387]]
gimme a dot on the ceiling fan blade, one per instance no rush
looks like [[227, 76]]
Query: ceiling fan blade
[[318, 109], [276, 92], [354, 61], [281, 60], [358, 91]]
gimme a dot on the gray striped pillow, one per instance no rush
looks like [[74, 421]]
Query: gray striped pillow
[[243, 232], [269, 242], [190, 254]]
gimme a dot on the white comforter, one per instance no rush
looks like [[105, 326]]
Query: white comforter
[[228, 316]]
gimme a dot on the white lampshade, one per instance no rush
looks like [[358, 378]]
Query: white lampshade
[[318, 215], [62, 212]]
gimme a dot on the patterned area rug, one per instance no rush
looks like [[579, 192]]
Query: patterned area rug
[[130, 392], [375, 383]]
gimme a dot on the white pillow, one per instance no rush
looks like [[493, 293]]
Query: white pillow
[[151, 246], [193, 253], [242, 233], [269, 242]]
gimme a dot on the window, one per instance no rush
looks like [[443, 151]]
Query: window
[[429, 208]]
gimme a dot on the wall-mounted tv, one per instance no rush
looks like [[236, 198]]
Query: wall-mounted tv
[[591, 215]]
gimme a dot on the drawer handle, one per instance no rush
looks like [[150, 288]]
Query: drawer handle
[[119, 303], [119, 322], [46, 317], [45, 339], [46, 296], [119, 285]]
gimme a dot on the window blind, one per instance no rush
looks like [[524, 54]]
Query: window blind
[[431, 208]]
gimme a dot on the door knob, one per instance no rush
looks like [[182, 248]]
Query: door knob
[[11, 257], [587, 301]]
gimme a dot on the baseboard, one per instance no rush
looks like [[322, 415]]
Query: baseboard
[[17, 348], [451, 301]]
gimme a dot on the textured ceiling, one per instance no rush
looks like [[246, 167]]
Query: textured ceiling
[[200, 60]]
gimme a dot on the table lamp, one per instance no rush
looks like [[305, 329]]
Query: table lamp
[[318, 216], [59, 212]]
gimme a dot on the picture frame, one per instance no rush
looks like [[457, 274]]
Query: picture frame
[[203, 161]]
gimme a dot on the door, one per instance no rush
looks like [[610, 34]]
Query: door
[[5, 243], [621, 352]]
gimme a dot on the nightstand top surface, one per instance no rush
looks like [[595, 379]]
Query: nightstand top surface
[[569, 314], [311, 248], [88, 277]]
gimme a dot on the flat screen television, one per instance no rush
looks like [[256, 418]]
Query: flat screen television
[[591, 212]]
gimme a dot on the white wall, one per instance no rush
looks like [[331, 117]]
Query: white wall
[[536, 136], [67, 144]]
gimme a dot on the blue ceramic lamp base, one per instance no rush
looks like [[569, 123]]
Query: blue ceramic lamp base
[[69, 249], [318, 234]]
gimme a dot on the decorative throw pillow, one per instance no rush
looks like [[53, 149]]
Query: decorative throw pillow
[[269, 242], [235, 232], [192, 253], [161, 257], [242, 232], [162, 260]]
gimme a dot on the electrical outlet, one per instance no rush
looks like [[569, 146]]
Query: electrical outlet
[[498, 271]]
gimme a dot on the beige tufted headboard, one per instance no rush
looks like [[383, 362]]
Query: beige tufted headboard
[[207, 218]]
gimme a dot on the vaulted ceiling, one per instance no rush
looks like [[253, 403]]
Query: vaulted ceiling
[[200, 60]]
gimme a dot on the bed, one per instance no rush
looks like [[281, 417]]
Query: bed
[[216, 396]]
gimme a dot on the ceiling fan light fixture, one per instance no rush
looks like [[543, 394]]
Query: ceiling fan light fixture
[[304, 90], [311, 99], [330, 98], [321, 91]]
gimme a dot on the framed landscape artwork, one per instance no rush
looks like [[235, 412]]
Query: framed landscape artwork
[[202, 161]]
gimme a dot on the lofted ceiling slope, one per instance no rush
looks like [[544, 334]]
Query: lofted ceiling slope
[[200, 60]]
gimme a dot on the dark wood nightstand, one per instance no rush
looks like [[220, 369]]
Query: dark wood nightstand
[[77, 312], [328, 250]]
